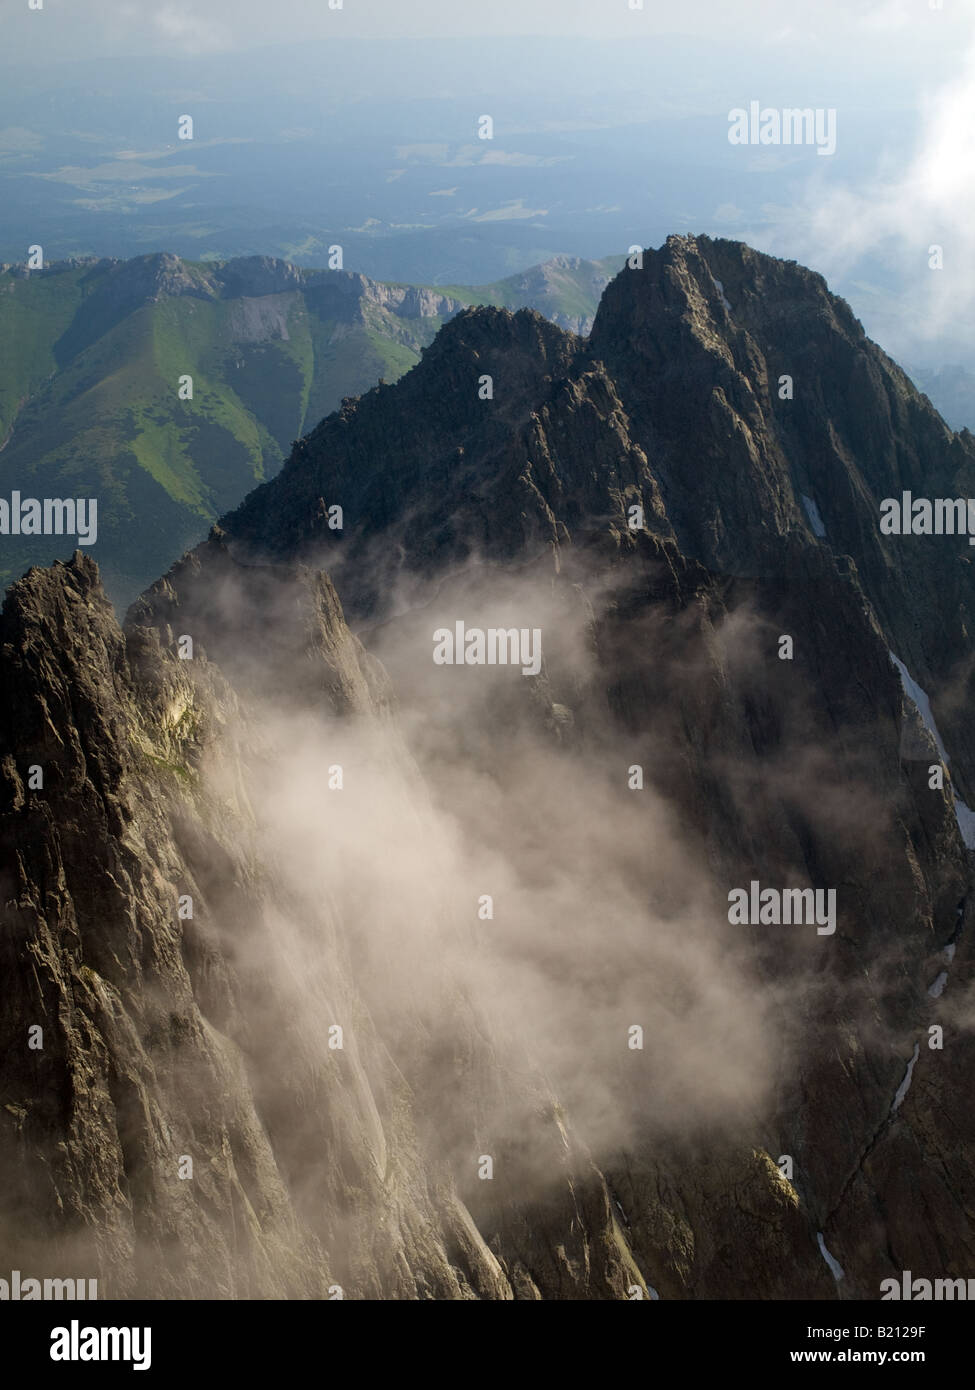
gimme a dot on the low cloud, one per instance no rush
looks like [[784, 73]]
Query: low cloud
[[918, 207], [194, 33]]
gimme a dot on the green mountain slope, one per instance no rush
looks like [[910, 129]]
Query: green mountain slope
[[94, 357], [565, 289]]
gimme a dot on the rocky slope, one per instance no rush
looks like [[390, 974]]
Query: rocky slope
[[659, 1170]]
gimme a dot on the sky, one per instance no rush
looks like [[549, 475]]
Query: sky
[[88, 28], [917, 208], [853, 225]]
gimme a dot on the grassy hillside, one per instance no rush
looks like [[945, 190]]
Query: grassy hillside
[[90, 404], [565, 289], [91, 357]]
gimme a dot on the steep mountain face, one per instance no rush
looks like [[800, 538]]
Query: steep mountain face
[[681, 381], [700, 553], [854, 433], [169, 1038]]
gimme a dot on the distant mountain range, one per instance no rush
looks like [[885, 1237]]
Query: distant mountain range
[[94, 361]]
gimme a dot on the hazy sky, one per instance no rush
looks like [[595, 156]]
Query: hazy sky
[[863, 29], [870, 58]]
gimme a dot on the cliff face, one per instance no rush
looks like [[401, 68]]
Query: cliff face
[[169, 1037], [168, 777], [120, 287]]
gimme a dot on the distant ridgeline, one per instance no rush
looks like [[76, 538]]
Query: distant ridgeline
[[166, 390]]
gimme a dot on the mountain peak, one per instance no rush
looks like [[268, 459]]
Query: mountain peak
[[726, 394]]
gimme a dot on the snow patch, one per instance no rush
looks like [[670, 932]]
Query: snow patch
[[905, 1085], [950, 952], [963, 814], [812, 511], [937, 989], [835, 1268], [966, 822], [720, 289], [915, 693]]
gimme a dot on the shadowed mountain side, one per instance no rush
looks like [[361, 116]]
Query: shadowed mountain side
[[673, 405]]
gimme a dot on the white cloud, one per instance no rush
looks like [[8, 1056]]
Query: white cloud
[[915, 200], [892, 14], [189, 30], [88, 28]]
